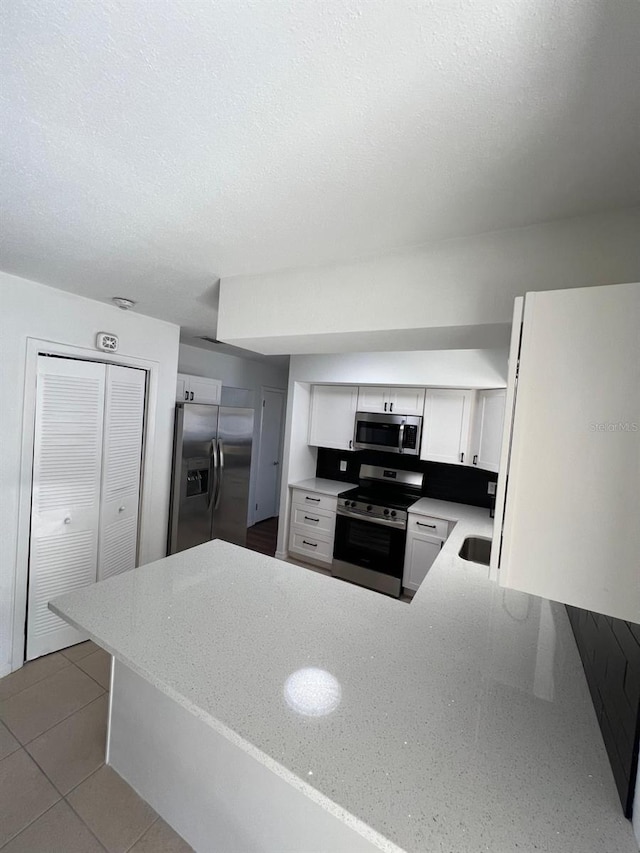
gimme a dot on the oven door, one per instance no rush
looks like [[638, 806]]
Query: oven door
[[372, 546]]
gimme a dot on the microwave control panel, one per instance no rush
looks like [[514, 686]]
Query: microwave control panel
[[410, 437]]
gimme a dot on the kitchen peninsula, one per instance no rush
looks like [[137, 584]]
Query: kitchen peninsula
[[259, 706]]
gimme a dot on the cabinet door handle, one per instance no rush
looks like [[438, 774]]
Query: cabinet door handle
[[122, 508], [191, 396], [390, 407], [421, 524], [313, 544], [350, 444], [186, 395], [385, 407], [315, 500], [475, 459], [462, 457], [67, 520], [308, 518]]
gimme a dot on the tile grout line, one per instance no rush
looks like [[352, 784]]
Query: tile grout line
[[31, 822], [48, 675], [62, 719], [105, 689], [145, 831], [79, 816]]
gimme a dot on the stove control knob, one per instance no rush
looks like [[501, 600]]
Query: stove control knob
[[393, 513], [348, 503], [386, 512], [369, 508]]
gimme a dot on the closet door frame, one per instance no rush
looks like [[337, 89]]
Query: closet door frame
[[36, 347]]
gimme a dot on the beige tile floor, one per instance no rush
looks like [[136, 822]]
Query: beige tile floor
[[56, 793]]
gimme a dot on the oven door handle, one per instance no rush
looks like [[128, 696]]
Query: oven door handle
[[401, 438], [383, 522]]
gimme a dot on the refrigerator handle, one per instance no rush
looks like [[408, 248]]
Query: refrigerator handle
[[213, 474], [220, 476]]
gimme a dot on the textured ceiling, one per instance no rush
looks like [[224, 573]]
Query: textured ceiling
[[150, 147]]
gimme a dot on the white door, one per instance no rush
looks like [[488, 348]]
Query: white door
[[332, 421], [122, 460], [373, 398], [406, 401], [269, 467], [66, 494], [571, 530], [489, 426], [447, 421]]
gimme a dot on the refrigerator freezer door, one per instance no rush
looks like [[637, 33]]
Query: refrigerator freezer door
[[194, 476], [231, 503]]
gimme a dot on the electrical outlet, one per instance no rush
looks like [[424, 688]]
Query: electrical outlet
[[491, 488], [343, 464]]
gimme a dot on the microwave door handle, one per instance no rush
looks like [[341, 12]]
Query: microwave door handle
[[401, 438]]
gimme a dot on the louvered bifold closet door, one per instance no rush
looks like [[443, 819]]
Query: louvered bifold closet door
[[123, 422], [65, 506]]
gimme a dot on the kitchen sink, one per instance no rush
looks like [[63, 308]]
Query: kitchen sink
[[476, 549]]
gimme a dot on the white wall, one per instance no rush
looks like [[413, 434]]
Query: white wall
[[445, 368], [31, 310], [455, 294], [237, 373], [449, 368], [231, 370]]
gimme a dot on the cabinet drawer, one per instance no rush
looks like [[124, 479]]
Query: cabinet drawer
[[310, 546], [427, 525], [313, 500], [318, 520]]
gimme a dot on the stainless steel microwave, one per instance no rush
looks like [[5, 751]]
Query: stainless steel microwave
[[391, 433]]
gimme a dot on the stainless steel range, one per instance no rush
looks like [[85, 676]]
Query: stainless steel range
[[371, 528]]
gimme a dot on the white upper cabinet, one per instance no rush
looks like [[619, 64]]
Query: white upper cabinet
[[197, 389], [395, 400], [373, 398], [447, 424], [569, 516], [332, 416], [488, 426], [406, 401], [182, 388]]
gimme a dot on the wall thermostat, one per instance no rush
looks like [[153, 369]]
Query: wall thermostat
[[107, 342]]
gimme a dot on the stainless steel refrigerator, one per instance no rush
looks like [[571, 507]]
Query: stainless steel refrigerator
[[211, 464]]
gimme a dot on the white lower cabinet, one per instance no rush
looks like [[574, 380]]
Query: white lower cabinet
[[425, 538], [312, 526]]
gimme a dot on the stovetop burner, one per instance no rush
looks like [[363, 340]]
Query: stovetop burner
[[382, 497]]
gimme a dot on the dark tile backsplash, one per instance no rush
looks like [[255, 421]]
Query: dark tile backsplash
[[610, 652], [444, 482]]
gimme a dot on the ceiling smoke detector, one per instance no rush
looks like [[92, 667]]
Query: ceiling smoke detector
[[123, 303]]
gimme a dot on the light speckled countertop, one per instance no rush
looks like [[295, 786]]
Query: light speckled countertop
[[325, 487], [465, 722]]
